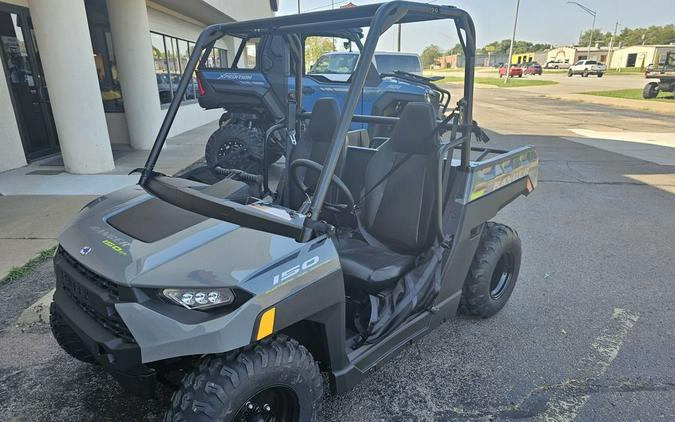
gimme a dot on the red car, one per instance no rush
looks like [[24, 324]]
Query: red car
[[533, 68], [513, 72]]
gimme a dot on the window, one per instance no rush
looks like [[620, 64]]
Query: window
[[249, 53], [171, 56], [335, 64], [104, 56], [389, 63], [217, 59]]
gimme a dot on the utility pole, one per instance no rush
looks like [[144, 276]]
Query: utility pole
[[513, 40], [399, 37], [298, 7], [592, 13], [611, 44]]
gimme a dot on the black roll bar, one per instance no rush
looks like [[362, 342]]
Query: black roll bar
[[379, 17]]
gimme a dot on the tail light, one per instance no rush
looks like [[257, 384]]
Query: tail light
[[200, 84]]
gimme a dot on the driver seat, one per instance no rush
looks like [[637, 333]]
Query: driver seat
[[395, 221], [314, 145]]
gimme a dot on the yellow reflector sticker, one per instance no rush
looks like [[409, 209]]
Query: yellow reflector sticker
[[266, 326]]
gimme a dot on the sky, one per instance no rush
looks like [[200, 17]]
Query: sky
[[544, 21]]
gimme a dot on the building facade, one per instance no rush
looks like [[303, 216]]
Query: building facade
[[79, 76], [639, 56], [572, 55]]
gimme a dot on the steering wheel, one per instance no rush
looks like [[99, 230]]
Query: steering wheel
[[314, 166]]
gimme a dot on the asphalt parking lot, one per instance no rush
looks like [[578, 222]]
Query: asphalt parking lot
[[587, 335]]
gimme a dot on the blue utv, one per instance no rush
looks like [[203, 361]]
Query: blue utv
[[257, 90]]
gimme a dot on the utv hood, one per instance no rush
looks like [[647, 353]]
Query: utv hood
[[137, 240]]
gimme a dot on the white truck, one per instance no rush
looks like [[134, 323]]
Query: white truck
[[557, 64], [587, 67]]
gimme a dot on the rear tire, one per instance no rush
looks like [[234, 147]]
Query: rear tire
[[493, 273], [278, 372], [569, 73], [600, 75], [235, 146], [651, 90], [67, 339]]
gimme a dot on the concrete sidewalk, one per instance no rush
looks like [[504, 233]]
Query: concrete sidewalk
[[39, 200]]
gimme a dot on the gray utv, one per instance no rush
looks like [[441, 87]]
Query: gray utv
[[241, 293]]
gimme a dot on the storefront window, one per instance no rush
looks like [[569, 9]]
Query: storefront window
[[171, 56], [104, 56]]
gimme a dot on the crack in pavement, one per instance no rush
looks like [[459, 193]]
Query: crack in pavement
[[563, 401], [534, 404]]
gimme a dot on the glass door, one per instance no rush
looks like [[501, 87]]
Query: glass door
[[26, 83]]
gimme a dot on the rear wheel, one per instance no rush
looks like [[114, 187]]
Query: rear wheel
[[651, 90], [600, 75], [493, 273], [67, 339], [569, 73], [276, 380], [235, 146]]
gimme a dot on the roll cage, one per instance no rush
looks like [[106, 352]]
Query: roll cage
[[379, 18]]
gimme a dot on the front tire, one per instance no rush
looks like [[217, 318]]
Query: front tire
[[277, 379], [569, 73], [493, 272], [651, 90], [67, 339], [600, 75]]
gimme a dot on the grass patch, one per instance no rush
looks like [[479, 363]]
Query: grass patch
[[16, 273], [631, 94], [499, 82]]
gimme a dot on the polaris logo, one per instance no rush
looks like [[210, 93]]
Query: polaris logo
[[85, 250], [295, 270]]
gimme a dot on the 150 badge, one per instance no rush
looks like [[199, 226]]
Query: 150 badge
[[295, 270], [114, 246]]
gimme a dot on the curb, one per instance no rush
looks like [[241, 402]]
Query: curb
[[37, 313]]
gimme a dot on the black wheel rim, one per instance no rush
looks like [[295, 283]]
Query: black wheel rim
[[235, 155], [274, 404], [502, 276]]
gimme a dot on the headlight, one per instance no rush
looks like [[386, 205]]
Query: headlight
[[199, 298]]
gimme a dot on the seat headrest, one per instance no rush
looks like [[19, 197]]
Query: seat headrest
[[412, 132], [324, 120]]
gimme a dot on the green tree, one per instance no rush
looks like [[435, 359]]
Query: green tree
[[457, 49], [654, 34], [315, 47], [429, 54], [599, 37], [503, 46]]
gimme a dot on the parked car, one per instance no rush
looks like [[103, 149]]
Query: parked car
[[587, 67], [557, 64], [532, 68], [339, 66], [515, 70]]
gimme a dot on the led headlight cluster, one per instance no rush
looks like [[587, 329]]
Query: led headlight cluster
[[199, 298]]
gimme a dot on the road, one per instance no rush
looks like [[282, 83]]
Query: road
[[587, 335]]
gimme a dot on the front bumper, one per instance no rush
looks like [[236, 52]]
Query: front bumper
[[88, 308]]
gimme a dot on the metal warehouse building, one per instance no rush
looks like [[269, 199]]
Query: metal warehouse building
[[80, 75], [639, 56]]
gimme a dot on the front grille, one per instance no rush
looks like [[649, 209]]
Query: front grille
[[104, 284], [93, 294]]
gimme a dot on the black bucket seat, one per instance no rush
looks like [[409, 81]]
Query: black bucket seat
[[395, 221]]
